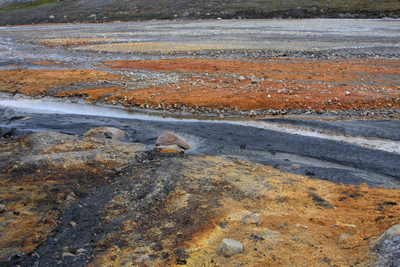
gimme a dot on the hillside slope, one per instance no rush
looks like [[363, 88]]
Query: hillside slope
[[14, 12]]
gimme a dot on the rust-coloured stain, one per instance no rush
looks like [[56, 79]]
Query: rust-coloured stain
[[42, 82], [273, 83], [245, 84]]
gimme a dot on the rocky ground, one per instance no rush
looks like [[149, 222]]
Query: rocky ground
[[81, 201], [289, 198]]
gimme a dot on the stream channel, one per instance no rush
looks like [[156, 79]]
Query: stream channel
[[344, 151]]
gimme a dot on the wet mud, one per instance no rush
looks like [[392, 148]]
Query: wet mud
[[323, 159]]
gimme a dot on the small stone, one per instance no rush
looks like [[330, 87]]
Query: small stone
[[241, 78], [168, 139], [81, 250], [295, 166], [254, 81], [67, 254], [70, 197], [251, 219], [343, 237], [347, 93], [267, 233], [3, 208], [230, 247], [73, 224]]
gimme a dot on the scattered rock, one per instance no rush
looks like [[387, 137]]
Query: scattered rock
[[70, 198], [254, 80], [168, 139], [241, 78], [106, 132], [73, 224], [266, 232], [3, 208], [81, 250], [253, 113], [295, 166], [347, 93], [251, 219], [67, 254], [10, 255], [230, 247]]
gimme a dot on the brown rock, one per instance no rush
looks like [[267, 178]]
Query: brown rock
[[168, 139], [106, 132]]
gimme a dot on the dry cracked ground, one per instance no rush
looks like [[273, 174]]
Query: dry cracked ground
[[82, 201]]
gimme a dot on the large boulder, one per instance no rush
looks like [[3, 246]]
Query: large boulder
[[390, 236], [388, 247], [169, 139], [106, 132]]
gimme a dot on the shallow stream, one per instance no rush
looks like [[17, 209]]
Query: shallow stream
[[55, 106]]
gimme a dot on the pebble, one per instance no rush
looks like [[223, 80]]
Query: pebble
[[67, 254], [343, 237], [230, 247]]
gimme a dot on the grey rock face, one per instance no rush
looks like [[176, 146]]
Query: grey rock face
[[388, 246]]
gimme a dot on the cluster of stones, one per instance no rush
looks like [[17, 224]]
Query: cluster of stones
[[167, 140]]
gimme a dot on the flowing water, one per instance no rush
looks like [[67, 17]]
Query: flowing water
[[50, 105]]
